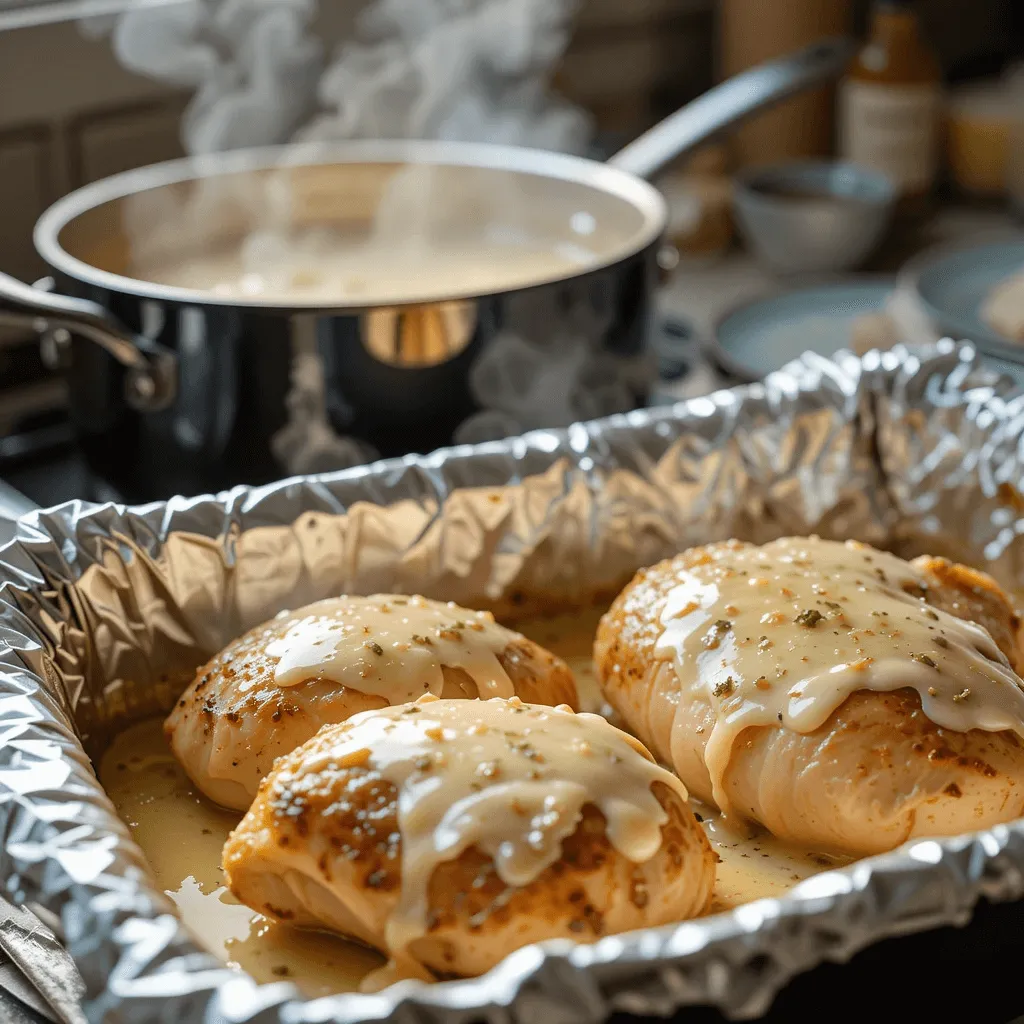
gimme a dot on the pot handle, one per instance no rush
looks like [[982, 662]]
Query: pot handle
[[151, 370], [731, 102]]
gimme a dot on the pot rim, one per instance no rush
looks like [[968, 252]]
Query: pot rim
[[642, 196]]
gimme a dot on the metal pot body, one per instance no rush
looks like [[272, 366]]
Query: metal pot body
[[262, 394], [186, 383]]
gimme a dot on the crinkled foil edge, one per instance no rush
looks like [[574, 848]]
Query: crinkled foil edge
[[105, 610]]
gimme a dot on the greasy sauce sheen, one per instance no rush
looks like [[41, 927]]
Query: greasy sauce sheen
[[785, 632], [392, 647], [507, 778]]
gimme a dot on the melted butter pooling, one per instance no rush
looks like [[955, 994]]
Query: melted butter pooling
[[393, 647], [509, 778], [783, 633]]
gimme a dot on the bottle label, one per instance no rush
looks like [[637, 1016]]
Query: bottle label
[[893, 129]]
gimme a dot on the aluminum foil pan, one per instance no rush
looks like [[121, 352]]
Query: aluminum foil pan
[[105, 612]]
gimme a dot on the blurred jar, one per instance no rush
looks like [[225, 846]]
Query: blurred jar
[[979, 128], [753, 31], [890, 105]]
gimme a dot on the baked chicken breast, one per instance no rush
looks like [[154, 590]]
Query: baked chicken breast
[[840, 696], [271, 690], [448, 833]]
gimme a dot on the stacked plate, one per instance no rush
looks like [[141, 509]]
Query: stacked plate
[[952, 287], [941, 294], [762, 335]]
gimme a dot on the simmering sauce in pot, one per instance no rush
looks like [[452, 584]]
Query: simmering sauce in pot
[[325, 268]]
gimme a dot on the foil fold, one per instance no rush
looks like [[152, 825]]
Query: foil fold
[[105, 611]]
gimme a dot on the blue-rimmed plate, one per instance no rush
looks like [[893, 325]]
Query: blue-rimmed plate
[[763, 335], [953, 286]]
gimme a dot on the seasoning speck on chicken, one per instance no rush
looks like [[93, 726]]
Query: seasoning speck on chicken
[[891, 684], [272, 689], [513, 839]]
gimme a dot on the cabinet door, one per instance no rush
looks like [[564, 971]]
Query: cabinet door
[[24, 194], [125, 137]]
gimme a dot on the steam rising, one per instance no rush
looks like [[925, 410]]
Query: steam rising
[[466, 70], [253, 65], [456, 70], [469, 70]]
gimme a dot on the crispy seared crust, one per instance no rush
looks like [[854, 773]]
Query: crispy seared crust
[[233, 721], [971, 594], [342, 869], [909, 776]]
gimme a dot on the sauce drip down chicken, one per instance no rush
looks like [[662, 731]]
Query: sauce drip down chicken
[[449, 832], [273, 688], [842, 697]]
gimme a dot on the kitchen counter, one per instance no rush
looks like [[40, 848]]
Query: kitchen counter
[[703, 292]]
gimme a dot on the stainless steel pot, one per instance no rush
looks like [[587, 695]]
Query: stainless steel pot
[[181, 382]]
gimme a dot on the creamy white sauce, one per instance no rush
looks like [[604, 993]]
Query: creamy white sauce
[[507, 778], [753, 864], [392, 647], [182, 834], [326, 267], [782, 634], [570, 636]]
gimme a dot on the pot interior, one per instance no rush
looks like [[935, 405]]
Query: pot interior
[[360, 226]]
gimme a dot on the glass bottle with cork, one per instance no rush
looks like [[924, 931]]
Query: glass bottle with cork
[[890, 105]]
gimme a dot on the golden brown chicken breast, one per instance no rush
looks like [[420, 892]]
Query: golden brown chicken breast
[[842, 697], [272, 689], [448, 833]]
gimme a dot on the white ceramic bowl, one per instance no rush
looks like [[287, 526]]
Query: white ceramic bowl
[[814, 215]]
